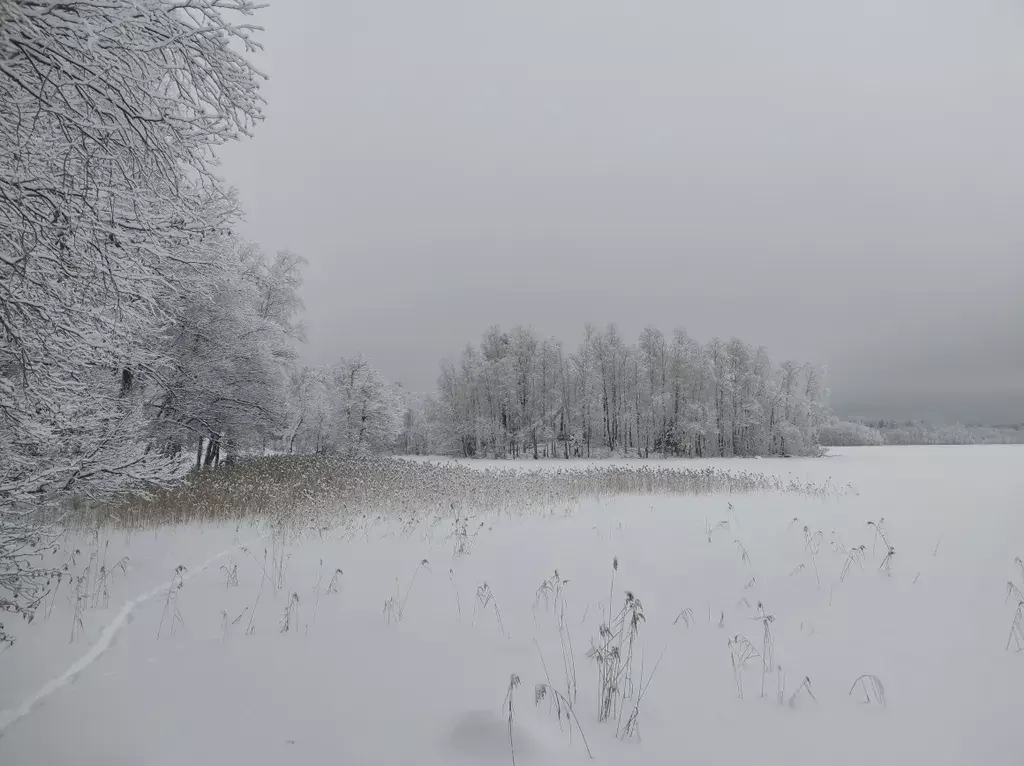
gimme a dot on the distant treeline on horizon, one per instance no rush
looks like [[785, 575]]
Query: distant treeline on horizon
[[863, 432]]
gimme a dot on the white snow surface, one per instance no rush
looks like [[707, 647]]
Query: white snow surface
[[349, 686]]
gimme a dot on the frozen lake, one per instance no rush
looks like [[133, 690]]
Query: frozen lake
[[396, 661]]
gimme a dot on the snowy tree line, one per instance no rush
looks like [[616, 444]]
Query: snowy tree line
[[138, 332], [518, 394], [864, 433], [135, 324]]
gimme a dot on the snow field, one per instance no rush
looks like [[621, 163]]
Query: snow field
[[425, 679]]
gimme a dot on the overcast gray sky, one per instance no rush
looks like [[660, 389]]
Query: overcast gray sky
[[840, 180]]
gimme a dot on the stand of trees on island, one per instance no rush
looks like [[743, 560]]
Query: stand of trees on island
[[519, 395]]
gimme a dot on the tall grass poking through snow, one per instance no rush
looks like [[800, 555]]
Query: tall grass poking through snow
[[812, 544], [562, 708], [171, 615], [879, 527], [79, 597], [335, 584], [768, 643], [741, 652], [462, 544], [552, 593], [510, 706], [686, 615], [1011, 587], [230, 575], [250, 628], [485, 598], [455, 589], [805, 686], [612, 653], [632, 726], [1017, 628], [394, 607], [854, 556], [871, 686], [710, 530], [290, 614]]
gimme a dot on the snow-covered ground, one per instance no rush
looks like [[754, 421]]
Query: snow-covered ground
[[410, 662]]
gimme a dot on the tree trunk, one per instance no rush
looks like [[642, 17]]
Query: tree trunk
[[291, 441], [212, 450]]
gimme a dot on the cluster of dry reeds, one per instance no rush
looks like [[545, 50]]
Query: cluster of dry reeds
[[298, 486]]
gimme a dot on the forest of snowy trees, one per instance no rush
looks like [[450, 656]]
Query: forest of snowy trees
[[138, 331], [522, 395]]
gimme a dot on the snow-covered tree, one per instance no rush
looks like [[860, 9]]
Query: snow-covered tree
[[346, 409], [110, 112], [230, 354], [110, 115], [307, 411], [418, 434], [366, 410]]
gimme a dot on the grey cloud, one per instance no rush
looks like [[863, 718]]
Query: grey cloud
[[840, 181]]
